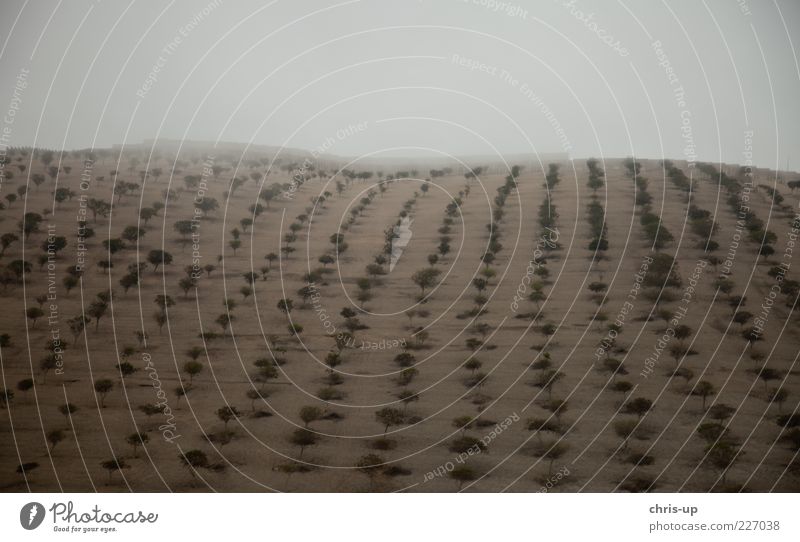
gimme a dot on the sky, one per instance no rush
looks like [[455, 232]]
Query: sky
[[710, 80]]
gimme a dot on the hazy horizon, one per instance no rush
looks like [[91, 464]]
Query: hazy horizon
[[458, 77]]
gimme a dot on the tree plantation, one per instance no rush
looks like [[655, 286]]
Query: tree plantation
[[261, 321]]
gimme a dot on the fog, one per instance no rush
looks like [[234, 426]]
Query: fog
[[409, 78]]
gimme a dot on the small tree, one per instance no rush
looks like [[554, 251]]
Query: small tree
[[25, 385], [463, 423], [721, 412], [186, 284], [224, 320], [779, 396], [624, 430], [766, 374], [463, 473], [302, 438], [114, 465], [552, 452], [160, 319], [425, 278], [195, 352], [97, 310], [742, 317], [113, 246], [47, 364], [388, 417], [722, 455], [407, 375], [102, 387], [405, 359], [254, 395], [132, 234], [678, 351], [547, 379], [473, 365], [703, 389], [370, 465], [751, 335], [192, 368], [194, 460], [151, 409], [67, 410], [54, 437], [285, 305], [25, 469], [6, 240], [33, 314], [159, 257], [235, 244], [226, 414], [6, 395], [407, 397], [126, 369], [146, 213], [310, 414], [685, 373], [333, 360], [556, 406], [136, 439], [164, 302], [682, 332], [639, 406], [712, 432], [180, 391]]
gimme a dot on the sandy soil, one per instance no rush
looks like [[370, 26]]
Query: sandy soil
[[257, 454]]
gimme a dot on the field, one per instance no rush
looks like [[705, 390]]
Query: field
[[203, 321]]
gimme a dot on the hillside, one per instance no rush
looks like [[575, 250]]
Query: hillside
[[584, 326]]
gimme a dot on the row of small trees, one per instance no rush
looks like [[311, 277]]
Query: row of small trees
[[652, 225], [754, 225], [700, 220], [596, 212]]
